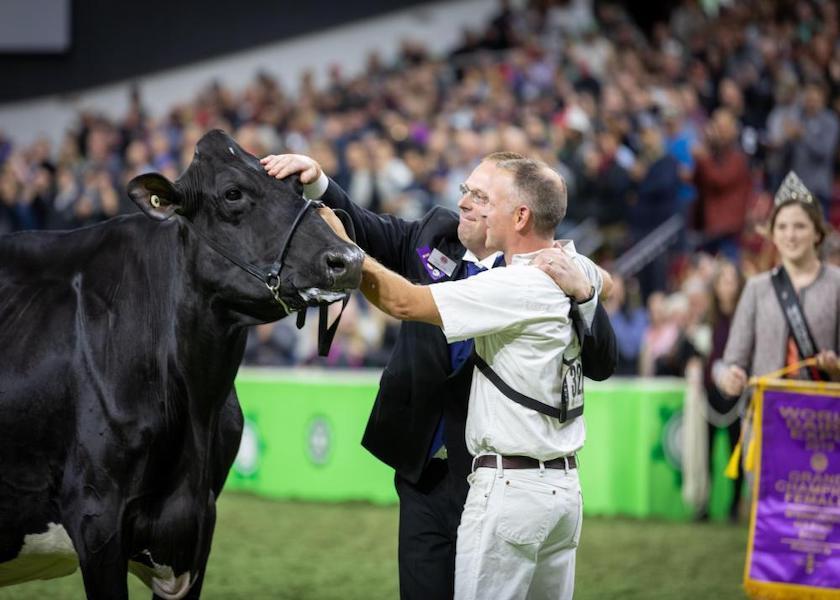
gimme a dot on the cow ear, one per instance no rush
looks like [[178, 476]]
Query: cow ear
[[155, 195]]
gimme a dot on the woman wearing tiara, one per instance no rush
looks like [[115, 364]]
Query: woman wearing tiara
[[792, 312]]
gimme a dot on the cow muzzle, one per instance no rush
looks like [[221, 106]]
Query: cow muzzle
[[342, 272], [343, 267]]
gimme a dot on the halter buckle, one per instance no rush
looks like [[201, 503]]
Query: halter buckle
[[274, 288]]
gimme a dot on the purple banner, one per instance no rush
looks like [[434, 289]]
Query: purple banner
[[796, 536]]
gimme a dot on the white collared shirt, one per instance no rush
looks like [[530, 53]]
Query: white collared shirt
[[487, 262], [520, 321]]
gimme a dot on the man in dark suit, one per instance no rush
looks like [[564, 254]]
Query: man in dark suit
[[423, 393]]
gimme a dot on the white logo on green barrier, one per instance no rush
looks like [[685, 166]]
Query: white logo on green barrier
[[672, 439], [319, 440], [669, 446], [672, 436], [248, 458]]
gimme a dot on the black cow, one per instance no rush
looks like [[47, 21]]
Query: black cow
[[120, 343]]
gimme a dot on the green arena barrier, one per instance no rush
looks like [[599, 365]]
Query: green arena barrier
[[303, 430]]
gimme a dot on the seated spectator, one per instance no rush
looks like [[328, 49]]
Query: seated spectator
[[662, 331], [98, 199], [629, 320], [688, 312], [9, 190]]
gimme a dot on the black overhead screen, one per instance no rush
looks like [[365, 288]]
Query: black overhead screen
[[65, 45]]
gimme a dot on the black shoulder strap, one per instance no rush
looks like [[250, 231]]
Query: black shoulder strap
[[578, 322], [563, 413], [799, 329]]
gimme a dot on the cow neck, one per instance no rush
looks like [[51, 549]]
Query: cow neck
[[198, 377], [206, 343]]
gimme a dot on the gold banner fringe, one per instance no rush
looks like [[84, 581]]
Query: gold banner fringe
[[749, 462], [733, 467], [759, 590]]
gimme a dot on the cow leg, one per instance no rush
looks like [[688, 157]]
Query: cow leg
[[99, 546], [195, 590], [229, 434], [106, 579]]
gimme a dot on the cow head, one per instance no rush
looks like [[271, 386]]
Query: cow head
[[240, 218]]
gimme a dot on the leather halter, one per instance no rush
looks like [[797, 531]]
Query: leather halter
[[271, 276]]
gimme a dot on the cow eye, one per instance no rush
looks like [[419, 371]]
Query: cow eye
[[233, 194]]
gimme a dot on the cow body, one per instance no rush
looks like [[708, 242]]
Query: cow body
[[118, 423]]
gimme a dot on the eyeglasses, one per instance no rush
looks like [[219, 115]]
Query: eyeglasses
[[477, 197]]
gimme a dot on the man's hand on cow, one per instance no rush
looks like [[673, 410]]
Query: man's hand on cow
[[561, 267], [281, 166], [333, 221]]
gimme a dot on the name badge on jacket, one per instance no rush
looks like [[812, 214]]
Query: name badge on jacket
[[436, 263]]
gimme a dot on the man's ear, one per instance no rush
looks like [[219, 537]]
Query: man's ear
[[155, 195], [521, 215]]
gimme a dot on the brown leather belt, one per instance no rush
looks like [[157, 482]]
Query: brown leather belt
[[524, 462]]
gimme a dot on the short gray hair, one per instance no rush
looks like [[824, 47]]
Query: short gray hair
[[542, 189]]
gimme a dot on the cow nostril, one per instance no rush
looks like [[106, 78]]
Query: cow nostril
[[343, 267], [336, 263]]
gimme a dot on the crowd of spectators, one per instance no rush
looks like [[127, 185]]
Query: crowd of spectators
[[698, 118]]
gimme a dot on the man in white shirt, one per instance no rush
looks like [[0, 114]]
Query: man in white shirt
[[521, 522]]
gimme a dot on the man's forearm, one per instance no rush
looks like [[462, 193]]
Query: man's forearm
[[397, 296]]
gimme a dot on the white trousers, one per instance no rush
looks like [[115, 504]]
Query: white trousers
[[519, 534]]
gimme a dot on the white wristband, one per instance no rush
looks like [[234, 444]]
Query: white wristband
[[316, 189]]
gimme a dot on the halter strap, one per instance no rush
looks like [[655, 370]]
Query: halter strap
[[270, 277], [326, 334]]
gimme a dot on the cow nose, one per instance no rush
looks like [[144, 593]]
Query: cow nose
[[343, 266]]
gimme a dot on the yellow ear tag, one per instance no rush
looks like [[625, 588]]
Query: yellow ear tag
[[155, 201]]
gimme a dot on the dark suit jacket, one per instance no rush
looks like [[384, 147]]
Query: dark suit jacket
[[418, 385]]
